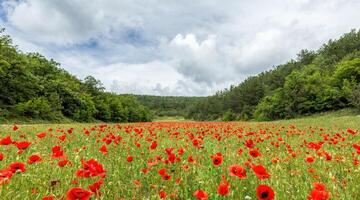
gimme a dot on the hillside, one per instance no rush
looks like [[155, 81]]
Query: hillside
[[33, 88], [316, 81]]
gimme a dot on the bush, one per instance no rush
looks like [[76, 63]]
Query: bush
[[273, 107], [119, 113], [228, 116], [78, 106], [348, 70], [4, 114], [355, 97], [103, 111], [86, 109], [36, 108]]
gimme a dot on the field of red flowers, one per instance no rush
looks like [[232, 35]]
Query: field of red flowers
[[179, 160]]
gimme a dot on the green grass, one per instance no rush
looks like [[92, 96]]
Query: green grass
[[289, 177], [342, 119], [29, 120], [168, 118]]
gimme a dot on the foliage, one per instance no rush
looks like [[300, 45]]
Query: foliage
[[34, 87], [228, 116], [355, 97], [168, 105], [37, 108], [316, 81]]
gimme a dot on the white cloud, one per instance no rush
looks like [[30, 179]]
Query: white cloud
[[175, 47], [202, 61]]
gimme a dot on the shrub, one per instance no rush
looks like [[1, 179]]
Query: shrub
[[35, 108], [355, 97], [228, 116]]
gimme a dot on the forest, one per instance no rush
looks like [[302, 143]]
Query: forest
[[33, 87], [316, 81], [163, 106]]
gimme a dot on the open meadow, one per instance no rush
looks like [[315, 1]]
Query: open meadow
[[179, 100], [309, 158]]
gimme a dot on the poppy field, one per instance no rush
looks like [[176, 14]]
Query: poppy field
[[180, 160]]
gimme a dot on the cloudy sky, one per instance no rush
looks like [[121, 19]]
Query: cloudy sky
[[174, 47]]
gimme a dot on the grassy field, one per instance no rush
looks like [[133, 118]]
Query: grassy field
[[313, 157], [169, 119]]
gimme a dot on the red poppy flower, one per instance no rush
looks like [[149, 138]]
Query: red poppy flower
[[57, 152], [328, 156], [91, 168], [249, 144], [5, 175], [129, 159], [78, 194], [41, 135], [137, 182], [63, 163], [260, 171], [152, 162], [171, 157], [181, 151], [169, 150], [95, 187], [74, 182], [6, 141], [196, 143], [353, 132], [162, 194], [137, 144], [34, 158], [319, 186], [200, 195], [162, 171], [319, 192], [17, 167], [56, 148], [22, 145], [223, 188], [1, 156], [310, 159], [264, 192], [190, 159], [15, 128], [217, 159], [34, 191], [62, 138], [255, 153], [48, 198], [236, 170], [153, 145], [166, 177], [103, 149], [70, 130], [145, 170]]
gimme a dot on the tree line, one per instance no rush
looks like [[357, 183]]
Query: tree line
[[316, 81], [327, 79], [34, 87], [169, 105]]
